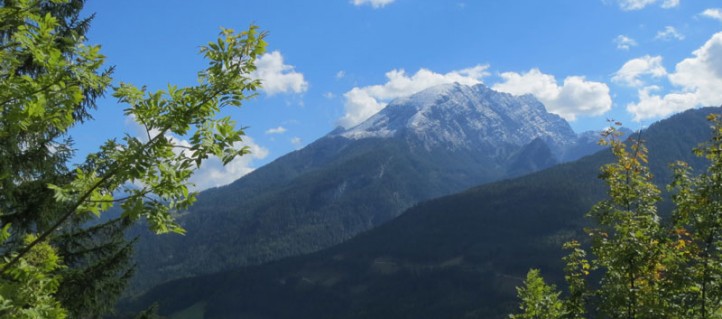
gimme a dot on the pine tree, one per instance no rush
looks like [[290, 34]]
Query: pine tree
[[99, 264], [85, 288]]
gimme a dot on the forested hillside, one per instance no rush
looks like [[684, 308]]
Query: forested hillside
[[436, 142], [459, 256]]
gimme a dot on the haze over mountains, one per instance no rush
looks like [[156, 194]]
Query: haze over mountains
[[436, 142]]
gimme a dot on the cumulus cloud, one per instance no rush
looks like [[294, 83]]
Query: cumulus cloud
[[697, 79], [362, 102], [713, 13], [373, 3], [340, 74], [624, 42], [629, 5], [669, 33], [212, 173], [276, 130], [631, 72], [278, 77], [702, 73], [574, 97], [651, 105]]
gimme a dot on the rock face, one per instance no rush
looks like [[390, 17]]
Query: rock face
[[436, 142], [455, 116]]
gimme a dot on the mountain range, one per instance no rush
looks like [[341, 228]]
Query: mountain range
[[437, 142], [458, 256]]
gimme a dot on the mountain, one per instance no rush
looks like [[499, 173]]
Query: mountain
[[459, 256], [436, 142], [533, 157], [461, 117]]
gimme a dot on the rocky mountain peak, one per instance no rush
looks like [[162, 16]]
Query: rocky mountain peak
[[460, 116]]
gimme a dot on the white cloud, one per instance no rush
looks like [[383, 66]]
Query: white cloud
[[629, 74], [374, 3], [629, 5], [362, 102], [651, 105], [702, 73], [624, 42], [669, 33], [575, 97], [670, 4], [278, 77], [634, 4], [276, 130], [698, 79], [213, 173], [296, 141], [713, 13], [329, 95], [340, 74]]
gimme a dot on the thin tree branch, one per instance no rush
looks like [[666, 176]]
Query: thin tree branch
[[87, 194]]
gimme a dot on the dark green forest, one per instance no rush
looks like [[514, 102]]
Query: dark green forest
[[331, 190]]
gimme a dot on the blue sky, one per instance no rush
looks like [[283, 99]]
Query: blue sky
[[335, 62]]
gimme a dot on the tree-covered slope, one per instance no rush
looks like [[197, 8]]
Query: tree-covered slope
[[460, 256], [434, 143]]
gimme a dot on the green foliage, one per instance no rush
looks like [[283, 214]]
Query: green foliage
[[538, 300], [651, 268], [26, 291], [626, 243], [576, 271], [697, 240], [49, 79], [150, 313]]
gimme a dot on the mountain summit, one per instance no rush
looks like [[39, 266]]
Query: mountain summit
[[458, 116], [436, 142]]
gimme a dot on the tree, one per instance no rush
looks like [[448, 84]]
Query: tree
[[29, 293], [649, 267], [49, 78], [627, 242], [697, 226], [98, 258], [99, 265], [538, 300], [576, 271]]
